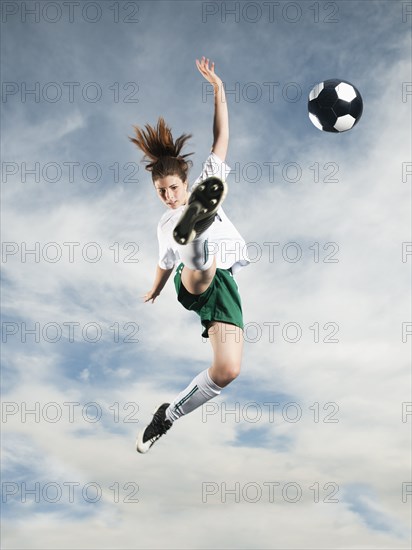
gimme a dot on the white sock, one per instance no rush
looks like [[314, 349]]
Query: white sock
[[201, 389], [196, 255]]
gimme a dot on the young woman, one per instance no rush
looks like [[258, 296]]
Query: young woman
[[196, 234]]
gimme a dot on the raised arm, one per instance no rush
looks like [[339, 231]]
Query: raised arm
[[221, 117]]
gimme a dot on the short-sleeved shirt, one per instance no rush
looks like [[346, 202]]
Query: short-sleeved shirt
[[224, 241]]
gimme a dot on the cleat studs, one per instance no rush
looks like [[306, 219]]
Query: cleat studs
[[214, 201], [215, 187], [204, 210], [201, 187]]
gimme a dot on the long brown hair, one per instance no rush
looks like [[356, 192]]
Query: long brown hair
[[161, 152]]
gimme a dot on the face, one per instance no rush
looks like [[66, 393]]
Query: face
[[172, 191]]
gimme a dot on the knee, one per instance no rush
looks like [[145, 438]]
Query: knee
[[227, 373], [195, 262], [200, 264]]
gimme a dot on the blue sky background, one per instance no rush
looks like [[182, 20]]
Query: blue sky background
[[315, 416]]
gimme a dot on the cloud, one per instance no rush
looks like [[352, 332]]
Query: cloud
[[336, 432]]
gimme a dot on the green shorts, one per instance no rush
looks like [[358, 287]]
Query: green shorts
[[220, 301]]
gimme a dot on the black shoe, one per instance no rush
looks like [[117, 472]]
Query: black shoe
[[201, 209], [157, 427]]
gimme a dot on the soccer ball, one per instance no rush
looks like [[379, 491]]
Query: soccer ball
[[335, 105]]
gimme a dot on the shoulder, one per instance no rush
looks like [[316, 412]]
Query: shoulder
[[215, 161], [161, 226]]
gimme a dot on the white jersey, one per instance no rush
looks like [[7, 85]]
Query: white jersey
[[224, 241]]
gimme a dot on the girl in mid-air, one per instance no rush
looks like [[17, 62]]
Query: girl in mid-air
[[196, 234]]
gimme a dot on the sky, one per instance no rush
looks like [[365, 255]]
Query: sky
[[310, 446]]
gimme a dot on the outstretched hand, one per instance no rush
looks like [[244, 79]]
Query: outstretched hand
[[208, 72]]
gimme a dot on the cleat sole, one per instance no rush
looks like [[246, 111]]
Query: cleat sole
[[203, 203]]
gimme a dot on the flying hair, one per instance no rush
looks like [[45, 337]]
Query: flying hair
[[162, 154]]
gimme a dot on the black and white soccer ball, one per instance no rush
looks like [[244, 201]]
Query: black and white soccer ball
[[335, 105]]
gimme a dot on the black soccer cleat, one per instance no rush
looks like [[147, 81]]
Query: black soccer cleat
[[201, 209], [157, 427]]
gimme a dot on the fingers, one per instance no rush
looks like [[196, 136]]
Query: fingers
[[148, 298], [204, 64]]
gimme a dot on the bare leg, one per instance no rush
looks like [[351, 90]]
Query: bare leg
[[227, 343], [196, 281]]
